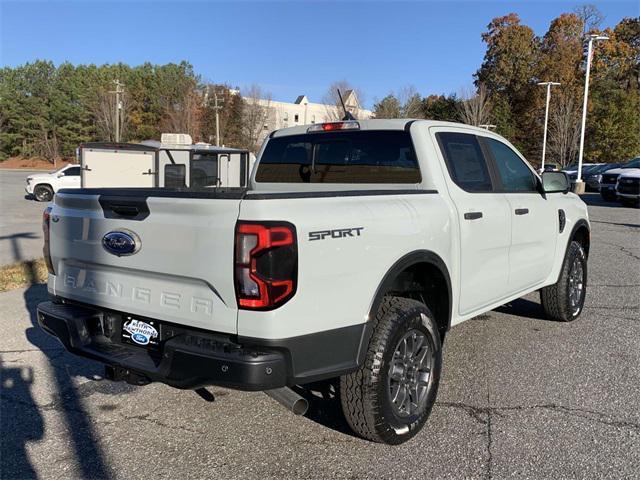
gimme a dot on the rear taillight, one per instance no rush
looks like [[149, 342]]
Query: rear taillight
[[266, 264], [46, 251]]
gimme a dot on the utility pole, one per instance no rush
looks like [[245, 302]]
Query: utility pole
[[217, 109], [118, 91], [592, 37], [546, 118]]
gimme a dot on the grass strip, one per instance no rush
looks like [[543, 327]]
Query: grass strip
[[22, 274]]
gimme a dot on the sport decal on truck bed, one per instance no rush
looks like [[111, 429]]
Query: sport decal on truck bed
[[337, 233]]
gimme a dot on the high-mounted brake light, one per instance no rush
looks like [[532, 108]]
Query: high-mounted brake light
[[333, 126], [46, 251], [266, 264]]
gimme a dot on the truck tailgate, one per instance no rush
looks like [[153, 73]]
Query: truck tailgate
[[182, 271]]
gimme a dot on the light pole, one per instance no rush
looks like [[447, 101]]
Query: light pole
[[546, 118], [592, 37]]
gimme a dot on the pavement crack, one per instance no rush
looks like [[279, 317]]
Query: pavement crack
[[477, 414], [145, 418], [489, 437], [623, 249]]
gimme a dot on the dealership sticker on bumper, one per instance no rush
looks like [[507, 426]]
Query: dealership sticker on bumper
[[139, 332]]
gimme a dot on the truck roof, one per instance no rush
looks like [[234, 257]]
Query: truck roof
[[380, 124]]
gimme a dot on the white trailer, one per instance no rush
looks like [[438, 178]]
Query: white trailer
[[117, 165], [172, 163]]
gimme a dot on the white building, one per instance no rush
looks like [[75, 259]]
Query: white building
[[302, 112]]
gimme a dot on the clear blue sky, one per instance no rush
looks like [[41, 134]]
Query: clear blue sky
[[288, 48]]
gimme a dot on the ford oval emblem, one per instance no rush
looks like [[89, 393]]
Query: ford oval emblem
[[121, 243]]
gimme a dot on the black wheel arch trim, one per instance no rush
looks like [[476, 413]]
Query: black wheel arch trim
[[406, 261], [579, 224]]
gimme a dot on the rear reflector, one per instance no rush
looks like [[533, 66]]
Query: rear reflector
[[333, 126]]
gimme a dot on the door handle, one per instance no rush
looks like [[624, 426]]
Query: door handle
[[522, 211], [472, 215]]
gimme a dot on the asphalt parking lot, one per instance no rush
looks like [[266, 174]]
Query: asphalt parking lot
[[520, 396], [20, 227]]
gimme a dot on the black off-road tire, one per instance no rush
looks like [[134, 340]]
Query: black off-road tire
[[556, 298], [43, 193], [365, 394]]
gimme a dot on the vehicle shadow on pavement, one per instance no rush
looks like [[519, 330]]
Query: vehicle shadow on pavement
[[324, 405], [522, 307], [20, 422], [22, 419]]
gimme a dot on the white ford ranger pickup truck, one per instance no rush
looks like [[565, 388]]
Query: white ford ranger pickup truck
[[355, 248]]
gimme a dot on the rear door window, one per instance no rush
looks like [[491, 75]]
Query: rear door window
[[465, 161], [384, 156], [175, 176]]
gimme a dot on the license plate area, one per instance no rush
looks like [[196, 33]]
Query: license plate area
[[141, 333]]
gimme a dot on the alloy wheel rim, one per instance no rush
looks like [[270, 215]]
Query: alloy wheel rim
[[576, 286], [410, 373]]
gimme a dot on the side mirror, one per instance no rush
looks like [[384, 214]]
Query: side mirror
[[555, 182], [60, 175]]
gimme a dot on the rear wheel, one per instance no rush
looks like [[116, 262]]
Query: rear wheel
[[564, 300], [390, 397], [43, 193]]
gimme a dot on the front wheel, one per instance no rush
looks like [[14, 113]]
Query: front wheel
[[389, 398], [43, 193], [564, 300]]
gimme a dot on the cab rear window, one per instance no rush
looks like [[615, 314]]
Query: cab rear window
[[372, 156]]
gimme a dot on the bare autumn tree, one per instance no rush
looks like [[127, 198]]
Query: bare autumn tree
[[103, 109], [591, 17], [564, 130], [257, 105], [411, 102], [184, 114], [331, 99], [474, 107]]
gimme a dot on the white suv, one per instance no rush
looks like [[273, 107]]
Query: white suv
[[43, 185]]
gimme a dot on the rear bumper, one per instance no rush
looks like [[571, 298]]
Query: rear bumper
[[191, 359]]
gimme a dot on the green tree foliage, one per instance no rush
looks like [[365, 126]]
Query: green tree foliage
[[48, 111], [507, 72], [440, 107], [388, 107], [516, 60]]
